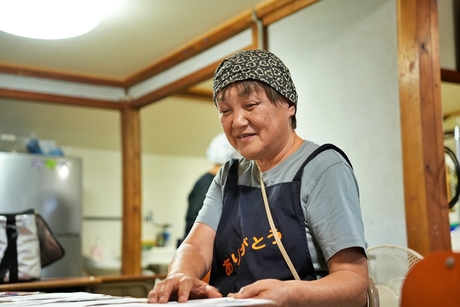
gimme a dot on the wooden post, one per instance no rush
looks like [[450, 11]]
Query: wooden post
[[426, 204], [456, 13], [131, 150]]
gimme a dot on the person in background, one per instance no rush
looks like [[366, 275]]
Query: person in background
[[218, 152], [314, 204]]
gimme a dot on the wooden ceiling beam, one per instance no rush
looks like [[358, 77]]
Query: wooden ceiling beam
[[59, 75], [60, 99], [270, 11], [198, 45], [452, 114], [195, 93], [176, 86], [274, 10], [179, 85], [452, 76]]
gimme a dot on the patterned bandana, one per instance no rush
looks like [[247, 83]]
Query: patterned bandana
[[261, 65]]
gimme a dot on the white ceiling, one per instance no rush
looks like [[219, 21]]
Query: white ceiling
[[134, 35]]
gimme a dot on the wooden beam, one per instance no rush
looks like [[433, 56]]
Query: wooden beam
[[195, 93], [132, 217], [59, 75], [272, 11], [426, 204], [452, 114], [269, 11], [267, 7], [456, 15], [201, 43], [176, 86], [59, 99], [179, 85], [452, 76]]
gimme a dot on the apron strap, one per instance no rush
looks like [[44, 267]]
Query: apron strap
[[319, 150]]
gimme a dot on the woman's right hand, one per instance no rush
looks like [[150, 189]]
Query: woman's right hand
[[181, 287]]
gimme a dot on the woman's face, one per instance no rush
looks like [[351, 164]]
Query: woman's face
[[256, 127]]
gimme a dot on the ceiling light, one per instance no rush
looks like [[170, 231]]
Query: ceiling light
[[49, 19]]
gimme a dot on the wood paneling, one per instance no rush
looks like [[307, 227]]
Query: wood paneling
[[426, 203]]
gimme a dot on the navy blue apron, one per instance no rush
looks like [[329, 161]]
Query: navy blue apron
[[244, 249]]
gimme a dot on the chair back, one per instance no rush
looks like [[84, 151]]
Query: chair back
[[372, 295], [433, 281]]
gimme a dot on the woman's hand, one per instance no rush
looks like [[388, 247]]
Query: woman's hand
[[181, 287], [271, 289], [346, 285]]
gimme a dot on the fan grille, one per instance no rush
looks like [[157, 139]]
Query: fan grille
[[389, 265]]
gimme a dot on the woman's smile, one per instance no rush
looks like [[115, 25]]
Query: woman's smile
[[245, 136]]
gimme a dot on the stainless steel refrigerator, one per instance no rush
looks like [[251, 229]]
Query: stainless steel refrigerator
[[52, 185]]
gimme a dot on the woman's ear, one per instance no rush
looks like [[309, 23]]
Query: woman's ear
[[292, 109]]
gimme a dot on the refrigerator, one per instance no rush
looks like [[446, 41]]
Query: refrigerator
[[52, 185]]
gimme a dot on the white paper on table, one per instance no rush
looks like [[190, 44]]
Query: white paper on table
[[84, 299], [223, 302], [70, 299]]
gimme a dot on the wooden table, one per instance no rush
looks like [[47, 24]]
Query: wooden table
[[74, 284]]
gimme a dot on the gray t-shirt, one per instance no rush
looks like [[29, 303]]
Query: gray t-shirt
[[329, 198]]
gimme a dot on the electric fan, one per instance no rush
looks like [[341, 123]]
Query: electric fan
[[388, 267]]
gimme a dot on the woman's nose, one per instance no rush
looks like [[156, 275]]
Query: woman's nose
[[239, 119]]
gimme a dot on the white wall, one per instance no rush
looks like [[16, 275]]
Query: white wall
[[343, 59], [166, 182], [446, 34]]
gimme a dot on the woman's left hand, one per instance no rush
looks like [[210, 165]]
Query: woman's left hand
[[271, 289]]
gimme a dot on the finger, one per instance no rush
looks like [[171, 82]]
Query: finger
[[152, 297], [201, 289], [154, 294], [192, 288], [183, 293], [249, 291], [163, 291], [212, 292]]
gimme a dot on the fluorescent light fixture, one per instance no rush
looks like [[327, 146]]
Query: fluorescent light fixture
[[49, 19]]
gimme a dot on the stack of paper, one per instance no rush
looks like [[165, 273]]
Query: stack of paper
[[84, 299], [73, 299]]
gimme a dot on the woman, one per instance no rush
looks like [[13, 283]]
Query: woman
[[315, 206]]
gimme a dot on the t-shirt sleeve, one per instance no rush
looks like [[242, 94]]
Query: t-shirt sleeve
[[212, 206], [333, 210]]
